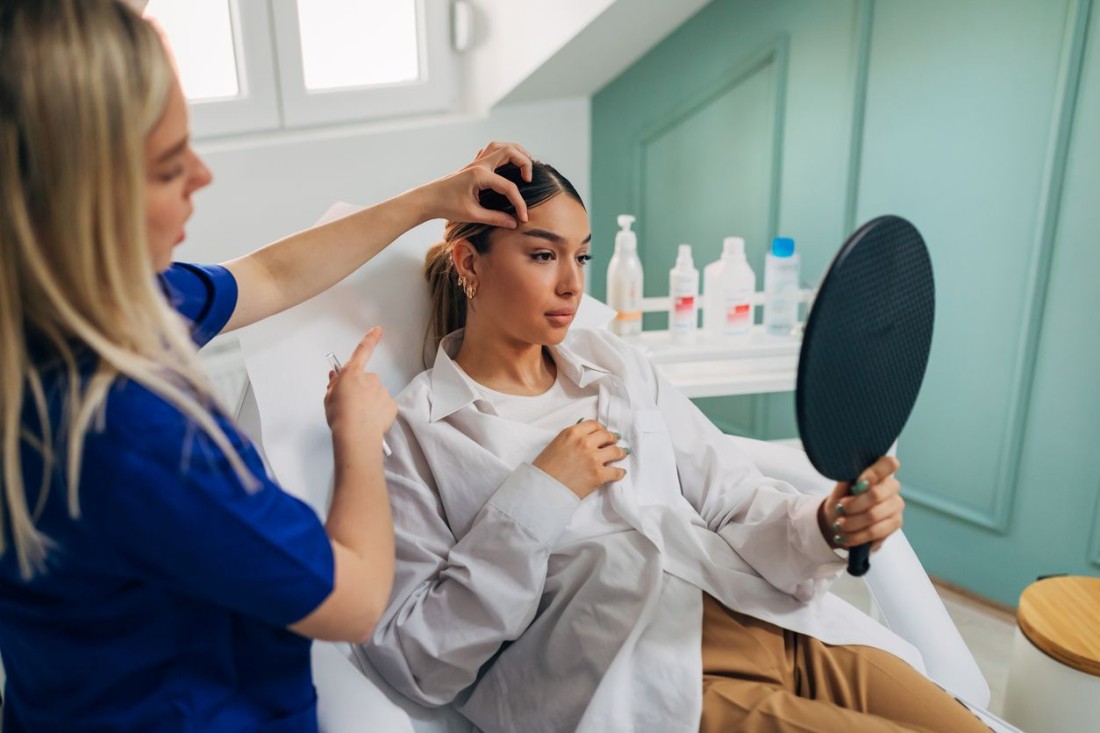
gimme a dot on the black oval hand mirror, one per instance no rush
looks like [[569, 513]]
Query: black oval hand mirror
[[864, 352]]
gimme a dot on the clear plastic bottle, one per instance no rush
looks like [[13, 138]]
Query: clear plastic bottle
[[683, 292], [625, 280], [728, 287], [781, 278]]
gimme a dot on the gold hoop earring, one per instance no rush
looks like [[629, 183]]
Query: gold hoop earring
[[470, 288]]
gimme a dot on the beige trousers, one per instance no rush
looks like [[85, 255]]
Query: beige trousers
[[760, 678]]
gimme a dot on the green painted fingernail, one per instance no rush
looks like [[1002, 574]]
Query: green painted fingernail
[[840, 509], [579, 421], [627, 450], [617, 436], [860, 487], [838, 539], [836, 526]]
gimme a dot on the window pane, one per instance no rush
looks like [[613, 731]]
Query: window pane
[[354, 43], [201, 36]]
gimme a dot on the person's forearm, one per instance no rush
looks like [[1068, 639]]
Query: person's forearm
[[361, 534], [359, 517], [295, 268]]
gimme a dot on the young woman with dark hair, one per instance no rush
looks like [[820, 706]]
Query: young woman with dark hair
[[580, 549]]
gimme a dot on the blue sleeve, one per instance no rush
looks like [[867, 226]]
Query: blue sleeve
[[172, 508], [206, 295]]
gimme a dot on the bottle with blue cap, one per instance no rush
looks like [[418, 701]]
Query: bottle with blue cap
[[781, 295]]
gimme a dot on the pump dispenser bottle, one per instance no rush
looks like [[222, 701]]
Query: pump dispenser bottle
[[728, 288], [624, 281], [781, 278], [683, 291]]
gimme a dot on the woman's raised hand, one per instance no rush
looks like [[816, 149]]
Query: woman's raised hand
[[869, 512], [580, 455], [358, 407], [455, 197]]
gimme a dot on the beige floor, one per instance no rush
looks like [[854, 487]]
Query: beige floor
[[986, 630]]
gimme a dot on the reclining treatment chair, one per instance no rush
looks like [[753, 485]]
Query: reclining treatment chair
[[282, 410]]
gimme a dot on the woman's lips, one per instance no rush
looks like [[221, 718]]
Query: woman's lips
[[560, 318]]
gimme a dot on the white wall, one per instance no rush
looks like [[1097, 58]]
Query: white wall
[[267, 186]]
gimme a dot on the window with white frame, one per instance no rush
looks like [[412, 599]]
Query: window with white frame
[[253, 65]]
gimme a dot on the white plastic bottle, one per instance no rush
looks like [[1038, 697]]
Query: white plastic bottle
[[728, 287], [781, 278], [624, 281], [683, 292]]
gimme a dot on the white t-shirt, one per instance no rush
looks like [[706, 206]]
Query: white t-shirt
[[559, 407]]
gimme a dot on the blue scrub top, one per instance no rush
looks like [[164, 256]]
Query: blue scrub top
[[165, 604]]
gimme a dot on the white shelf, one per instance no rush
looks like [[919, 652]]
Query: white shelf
[[661, 349], [757, 364]]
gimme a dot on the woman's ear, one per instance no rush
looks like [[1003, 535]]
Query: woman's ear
[[464, 257]]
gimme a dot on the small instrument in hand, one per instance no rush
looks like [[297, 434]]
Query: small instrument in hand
[[336, 367]]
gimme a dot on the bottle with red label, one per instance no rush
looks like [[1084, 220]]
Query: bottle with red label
[[683, 291], [728, 287]]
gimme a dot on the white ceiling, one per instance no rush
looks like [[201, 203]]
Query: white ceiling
[[530, 50]]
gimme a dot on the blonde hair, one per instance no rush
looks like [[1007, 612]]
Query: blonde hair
[[448, 308], [82, 83]]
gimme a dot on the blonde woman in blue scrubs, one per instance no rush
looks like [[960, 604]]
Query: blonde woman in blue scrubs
[[152, 577]]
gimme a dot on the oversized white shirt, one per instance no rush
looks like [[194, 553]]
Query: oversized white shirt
[[535, 611]]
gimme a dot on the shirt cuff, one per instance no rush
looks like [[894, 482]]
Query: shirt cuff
[[816, 546], [536, 501]]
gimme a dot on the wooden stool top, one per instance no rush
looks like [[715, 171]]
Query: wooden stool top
[[1061, 616]]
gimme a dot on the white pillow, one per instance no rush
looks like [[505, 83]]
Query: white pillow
[[285, 356]]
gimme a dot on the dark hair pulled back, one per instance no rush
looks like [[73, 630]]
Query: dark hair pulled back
[[448, 308]]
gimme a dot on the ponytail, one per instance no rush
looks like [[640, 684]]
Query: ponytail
[[448, 308]]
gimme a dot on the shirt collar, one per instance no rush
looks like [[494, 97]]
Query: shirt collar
[[579, 370], [452, 389]]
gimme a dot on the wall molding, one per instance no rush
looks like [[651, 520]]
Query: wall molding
[[777, 53], [865, 18], [997, 517], [1094, 542]]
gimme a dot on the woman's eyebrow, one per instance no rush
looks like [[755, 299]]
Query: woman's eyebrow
[[551, 236], [173, 151]]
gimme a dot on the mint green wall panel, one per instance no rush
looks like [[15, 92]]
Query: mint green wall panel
[[977, 119], [1054, 522], [1059, 476], [761, 63], [960, 103], [709, 54], [726, 138]]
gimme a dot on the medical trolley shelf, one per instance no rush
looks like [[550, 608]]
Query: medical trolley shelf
[[756, 364]]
